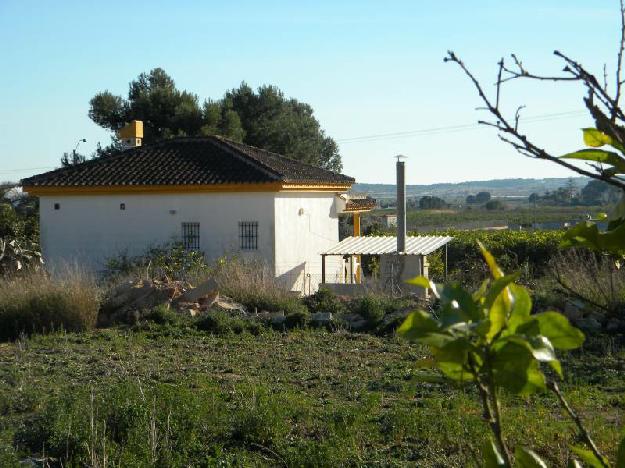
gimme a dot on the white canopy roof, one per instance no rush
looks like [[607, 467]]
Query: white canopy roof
[[378, 245]]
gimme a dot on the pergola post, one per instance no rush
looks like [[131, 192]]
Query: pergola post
[[323, 269]]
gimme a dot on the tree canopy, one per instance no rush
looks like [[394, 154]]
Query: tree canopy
[[264, 117]]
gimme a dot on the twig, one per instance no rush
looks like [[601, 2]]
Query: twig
[[520, 141], [492, 414], [619, 63], [578, 422]]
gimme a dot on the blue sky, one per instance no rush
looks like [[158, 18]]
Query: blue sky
[[366, 67]]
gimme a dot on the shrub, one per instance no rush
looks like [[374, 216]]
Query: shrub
[[168, 261], [163, 315], [528, 251], [324, 300], [40, 303], [592, 280], [371, 308], [221, 323], [297, 318]]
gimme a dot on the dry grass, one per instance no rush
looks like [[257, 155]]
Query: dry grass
[[252, 283], [591, 279], [39, 302]]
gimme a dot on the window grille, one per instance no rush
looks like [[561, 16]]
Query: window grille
[[191, 236], [248, 235]]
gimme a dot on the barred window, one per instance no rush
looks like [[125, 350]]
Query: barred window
[[248, 235], [191, 236]]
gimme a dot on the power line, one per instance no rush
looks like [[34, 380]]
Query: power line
[[399, 135], [5, 171], [453, 128]]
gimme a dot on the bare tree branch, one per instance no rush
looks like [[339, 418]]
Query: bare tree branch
[[509, 132]]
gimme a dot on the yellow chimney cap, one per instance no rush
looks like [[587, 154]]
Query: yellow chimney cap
[[132, 130]]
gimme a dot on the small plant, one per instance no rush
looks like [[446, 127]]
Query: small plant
[[324, 300], [169, 261], [221, 323], [297, 318], [163, 315], [371, 308], [489, 338]]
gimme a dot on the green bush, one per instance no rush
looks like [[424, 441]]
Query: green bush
[[297, 318], [163, 315], [527, 251], [221, 323], [324, 300], [371, 308], [38, 303], [171, 261]]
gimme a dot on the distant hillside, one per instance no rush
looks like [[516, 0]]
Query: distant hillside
[[497, 188]]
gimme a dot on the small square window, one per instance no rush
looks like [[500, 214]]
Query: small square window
[[248, 235], [57, 206], [122, 206], [191, 236]]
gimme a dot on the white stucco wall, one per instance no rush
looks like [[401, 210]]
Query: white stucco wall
[[90, 229], [306, 225]]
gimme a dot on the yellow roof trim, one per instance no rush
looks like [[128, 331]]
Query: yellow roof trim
[[130, 189]]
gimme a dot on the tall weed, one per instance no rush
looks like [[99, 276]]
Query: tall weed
[[39, 303]]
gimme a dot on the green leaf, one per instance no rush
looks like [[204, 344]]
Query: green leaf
[[417, 325], [596, 138], [455, 351], [481, 292], [557, 328], [526, 458], [599, 156], [588, 457], [557, 367], [457, 305], [620, 454], [500, 286], [574, 463], [521, 307], [587, 234], [455, 371], [425, 283], [491, 262], [516, 369], [496, 317], [491, 456]]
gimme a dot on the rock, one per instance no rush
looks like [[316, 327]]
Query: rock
[[228, 305], [278, 318], [589, 324], [615, 325], [322, 317], [574, 310], [208, 289], [355, 322]]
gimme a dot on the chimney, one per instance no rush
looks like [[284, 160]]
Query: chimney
[[401, 205], [131, 135]]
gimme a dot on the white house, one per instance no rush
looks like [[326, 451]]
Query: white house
[[210, 193]]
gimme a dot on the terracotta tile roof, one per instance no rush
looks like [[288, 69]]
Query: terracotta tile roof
[[360, 204], [188, 161]]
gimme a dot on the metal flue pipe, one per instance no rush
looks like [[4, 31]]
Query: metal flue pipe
[[401, 205]]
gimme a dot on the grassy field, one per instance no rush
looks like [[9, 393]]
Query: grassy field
[[167, 396], [479, 217]]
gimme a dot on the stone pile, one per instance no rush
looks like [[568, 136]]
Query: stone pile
[[127, 301]]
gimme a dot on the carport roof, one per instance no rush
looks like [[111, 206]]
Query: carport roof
[[380, 245]]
